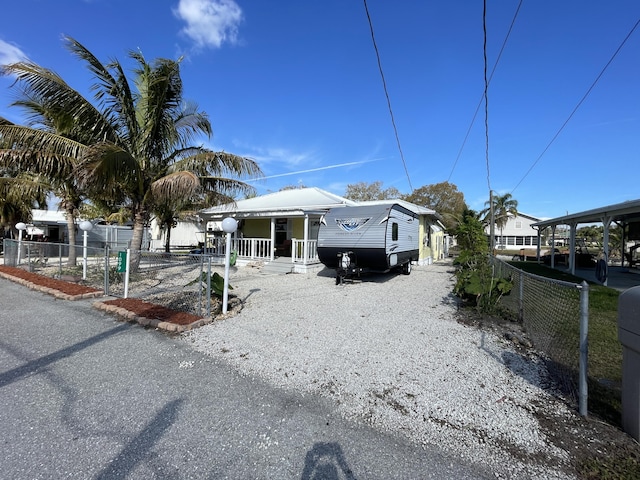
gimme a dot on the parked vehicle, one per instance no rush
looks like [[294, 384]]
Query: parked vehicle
[[359, 239]]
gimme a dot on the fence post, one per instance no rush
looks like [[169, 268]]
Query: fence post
[[126, 274], [106, 269], [59, 260], [521, 297], [584, 347], [208, 299]]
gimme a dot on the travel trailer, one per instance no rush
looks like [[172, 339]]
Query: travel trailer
[[368, 238]]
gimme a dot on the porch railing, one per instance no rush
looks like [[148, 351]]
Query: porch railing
[[298, 251], [252, 247], [260, 248]]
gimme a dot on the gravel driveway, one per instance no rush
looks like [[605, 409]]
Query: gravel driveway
[[389, 351]]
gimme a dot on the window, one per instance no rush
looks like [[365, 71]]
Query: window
[[518, 224], [519, 240], [394, 232]]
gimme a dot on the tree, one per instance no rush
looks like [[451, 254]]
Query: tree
[[504, 206], [362, 192], [292, 187], [444, 198], [136, 143], [19, 194]]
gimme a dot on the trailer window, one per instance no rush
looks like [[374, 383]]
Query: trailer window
[[394, 232]]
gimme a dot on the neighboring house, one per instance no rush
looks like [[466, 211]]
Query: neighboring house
[[51, 226], [517, 233], [186, 235], [286, 223]]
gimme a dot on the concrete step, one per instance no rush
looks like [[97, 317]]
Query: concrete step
[[278, 266]]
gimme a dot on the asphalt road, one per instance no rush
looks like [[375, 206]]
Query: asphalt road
[[85, 396]]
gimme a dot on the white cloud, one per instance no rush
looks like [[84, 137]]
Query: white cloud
[[210, 23], [10, 53]]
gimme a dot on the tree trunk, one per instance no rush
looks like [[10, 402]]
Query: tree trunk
[[139, 220], [71, 230], [167, 241]]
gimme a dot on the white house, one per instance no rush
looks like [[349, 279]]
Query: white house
[[517, 233]]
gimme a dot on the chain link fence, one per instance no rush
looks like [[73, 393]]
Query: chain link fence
[[181, 282], [554, 314], [58, 260]]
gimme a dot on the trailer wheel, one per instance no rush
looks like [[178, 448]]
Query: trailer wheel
[[406, 268]]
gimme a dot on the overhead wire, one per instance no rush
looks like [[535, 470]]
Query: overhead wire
[[486, 96], [384, 85], [584, 97], [493, 70]]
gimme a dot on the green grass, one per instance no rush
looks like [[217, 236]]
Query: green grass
[[605, 350]]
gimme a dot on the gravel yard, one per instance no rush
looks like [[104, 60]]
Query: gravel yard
[[390, 351]]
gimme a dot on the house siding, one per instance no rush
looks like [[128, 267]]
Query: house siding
[[256, 228]]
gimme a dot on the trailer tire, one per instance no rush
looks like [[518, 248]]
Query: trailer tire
[[406, 268]]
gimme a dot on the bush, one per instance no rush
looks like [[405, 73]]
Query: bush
[[476, 281]]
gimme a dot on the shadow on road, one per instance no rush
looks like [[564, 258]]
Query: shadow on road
[[32, 366], [137, 450], [325, 461]]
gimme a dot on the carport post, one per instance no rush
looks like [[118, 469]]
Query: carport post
[[584, 349]]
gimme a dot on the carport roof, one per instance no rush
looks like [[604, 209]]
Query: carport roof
[[624, 212]]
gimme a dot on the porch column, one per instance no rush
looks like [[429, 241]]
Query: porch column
[[572, 248], [305, 237], [273, 238], [606, 221], [623, 226], [553, 245]]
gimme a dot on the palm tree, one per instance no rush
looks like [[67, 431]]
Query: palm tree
[[504, 206], [19, 194], [134, 144]]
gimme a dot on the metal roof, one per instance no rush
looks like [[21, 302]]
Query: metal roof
[[620, 212], [295, 201], [408, 205]]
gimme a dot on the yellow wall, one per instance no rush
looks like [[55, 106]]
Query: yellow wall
[[297, 228], [424, 231], [435, 249], [257, 228]]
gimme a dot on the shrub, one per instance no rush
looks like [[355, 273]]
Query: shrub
[[476, 281]]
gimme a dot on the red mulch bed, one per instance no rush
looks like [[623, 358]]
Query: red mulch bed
[[67, 288], [154, 312], [138, 307]]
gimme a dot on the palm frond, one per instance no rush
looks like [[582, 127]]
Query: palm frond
[[110, 166], [40, 141], [43, 85], [175, 187]]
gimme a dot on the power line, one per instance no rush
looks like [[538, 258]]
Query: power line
[[486, 97], [384, 85], [578, 105], [504, 44]]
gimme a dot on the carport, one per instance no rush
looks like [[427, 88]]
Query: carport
[[626, 215]]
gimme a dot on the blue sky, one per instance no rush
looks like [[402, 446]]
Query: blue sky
[[295, 85]]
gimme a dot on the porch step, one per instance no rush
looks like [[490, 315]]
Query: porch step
[[283, 265], [278, 266]]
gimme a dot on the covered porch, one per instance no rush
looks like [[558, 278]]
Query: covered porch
[[281, 226]]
